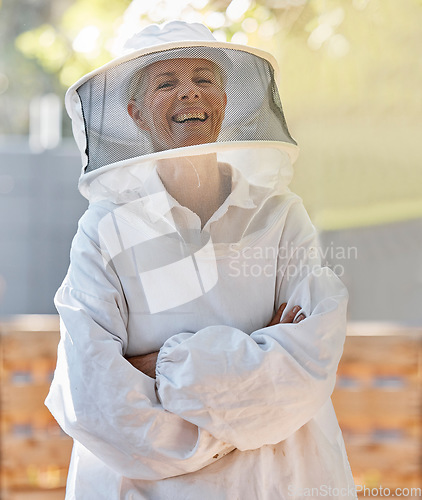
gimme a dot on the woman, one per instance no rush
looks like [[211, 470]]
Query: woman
[[187, 368]]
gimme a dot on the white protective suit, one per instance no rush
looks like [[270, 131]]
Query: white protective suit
[[238, 410]]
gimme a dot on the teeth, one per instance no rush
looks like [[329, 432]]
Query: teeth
[[182, 117]]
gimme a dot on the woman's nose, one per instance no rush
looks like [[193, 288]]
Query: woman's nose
[[188, 91]]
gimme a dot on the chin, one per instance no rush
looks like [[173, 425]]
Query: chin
[[194, 141]]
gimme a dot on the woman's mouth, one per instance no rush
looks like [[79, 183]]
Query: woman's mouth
[[191, 116]]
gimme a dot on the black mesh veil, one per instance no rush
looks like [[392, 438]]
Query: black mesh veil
[[253, 111]]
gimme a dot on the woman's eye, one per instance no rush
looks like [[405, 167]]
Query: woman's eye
[[165, 85], [204, 80]]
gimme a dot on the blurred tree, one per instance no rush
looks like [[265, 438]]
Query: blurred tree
[[350, 69], [47, 46], [21, 77], [353, 91], [64, 40], [78, 42]]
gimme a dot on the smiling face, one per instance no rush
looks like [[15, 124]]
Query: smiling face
[[180, 102]]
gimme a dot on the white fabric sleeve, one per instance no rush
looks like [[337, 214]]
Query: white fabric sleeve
[[99, 398], [259, 389]]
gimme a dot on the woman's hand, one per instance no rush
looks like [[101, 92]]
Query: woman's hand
[[146, 363], [289, 317]]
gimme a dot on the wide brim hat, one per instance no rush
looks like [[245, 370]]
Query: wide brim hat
[[97, 103]]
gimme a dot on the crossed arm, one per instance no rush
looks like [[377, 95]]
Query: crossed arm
[[147, 362]]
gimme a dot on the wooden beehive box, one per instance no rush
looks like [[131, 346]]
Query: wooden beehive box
[[35, 452], [378, 401]]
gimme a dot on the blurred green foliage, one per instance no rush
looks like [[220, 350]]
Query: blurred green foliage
[[52, 45]]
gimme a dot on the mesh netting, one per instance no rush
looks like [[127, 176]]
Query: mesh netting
[[177, 98]]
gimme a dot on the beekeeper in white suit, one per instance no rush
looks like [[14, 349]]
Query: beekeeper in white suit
[[200, 335]]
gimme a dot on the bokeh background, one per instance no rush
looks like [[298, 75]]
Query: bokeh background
[[351, 86]]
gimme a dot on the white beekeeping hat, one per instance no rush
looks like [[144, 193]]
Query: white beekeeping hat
[[105, 132]]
